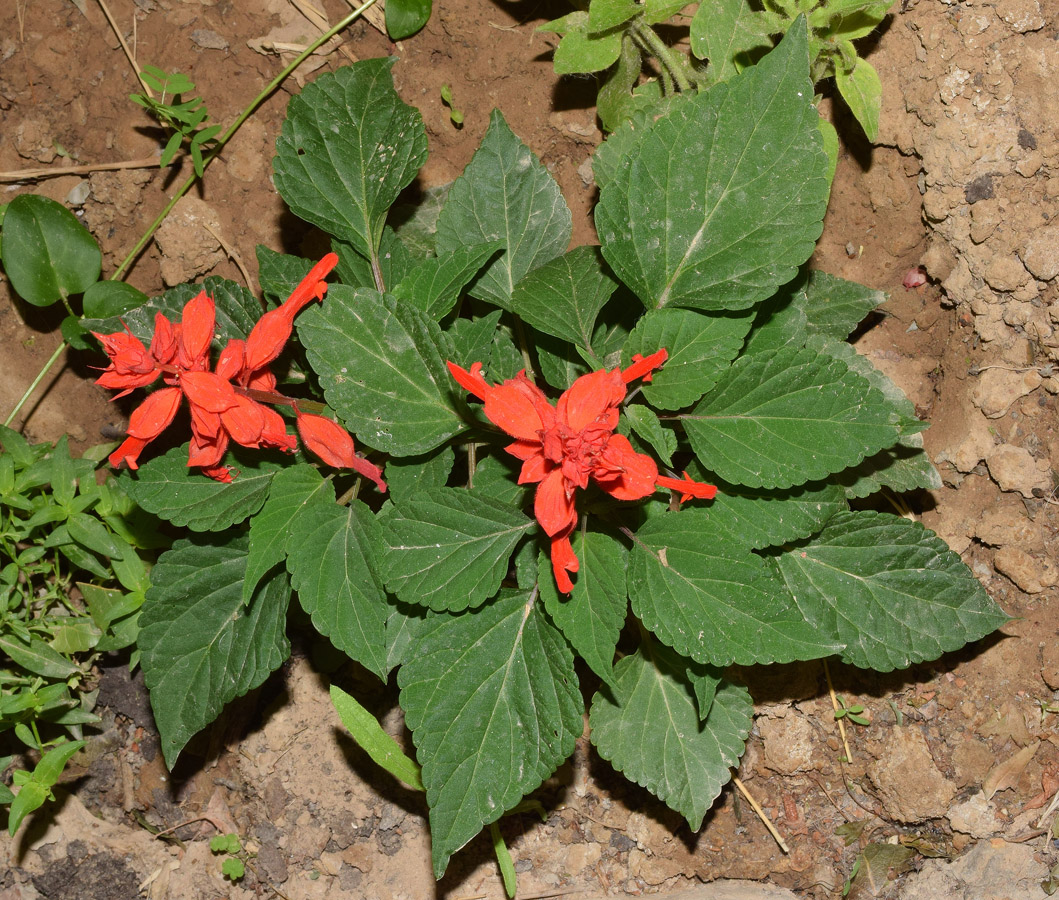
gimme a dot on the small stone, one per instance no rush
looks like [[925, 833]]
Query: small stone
[[788, 743], [1029, 574], [1050, 664], [208, 40], [910, 786], [979, 189], [1005, 526], [1014, 469], [1021, 15], [975, 817], [1005, 273], [998, 388], [1041, 255]]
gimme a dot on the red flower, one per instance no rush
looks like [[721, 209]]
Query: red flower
[[226, 404], [565, 446]]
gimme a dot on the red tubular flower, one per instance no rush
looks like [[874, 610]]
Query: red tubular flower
[[562, 448], [334, 445], [226, 404]]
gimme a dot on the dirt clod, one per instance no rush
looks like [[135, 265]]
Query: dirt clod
[[909, 784]]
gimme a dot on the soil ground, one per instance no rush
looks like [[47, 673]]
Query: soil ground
[[961, 757]]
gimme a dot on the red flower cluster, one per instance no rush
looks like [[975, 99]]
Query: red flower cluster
[[226, 404], [562, 447]]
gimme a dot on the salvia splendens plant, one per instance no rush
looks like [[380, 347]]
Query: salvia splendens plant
[[539, 413]]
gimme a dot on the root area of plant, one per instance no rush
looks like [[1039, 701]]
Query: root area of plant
[[960, 758]]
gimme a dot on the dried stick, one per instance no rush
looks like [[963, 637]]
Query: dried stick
[[151, 162], [834, 706], [125, 47], [761, 815], [233, 255]]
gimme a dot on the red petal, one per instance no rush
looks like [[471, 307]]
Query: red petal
[[275, 432], [245, 422], [564, 560], [152, 416], [209, 391], [688, 487], [126, 383], [312, 286], [206, 425], [128, 453], [553, 504], [218, 473], [471, 381], [267, 339], [592, 399], [516, 408], [261, 380], [230, 362], [164, 342], [623, 473], [534, 469], [643, 367], [196, 330], [327, 440], [207, 453]]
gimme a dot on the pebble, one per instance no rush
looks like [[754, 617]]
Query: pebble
[[1014, 469], [998, 388], [1030, 574]]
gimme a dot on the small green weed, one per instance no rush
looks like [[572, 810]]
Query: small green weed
[[186, 120]]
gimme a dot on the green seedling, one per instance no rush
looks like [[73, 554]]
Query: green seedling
[[187, 120], [233, 866], [454, 114], [851, 713]]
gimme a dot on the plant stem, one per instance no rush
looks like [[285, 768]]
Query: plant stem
[[663, 54], [36, 381], [234, 127]]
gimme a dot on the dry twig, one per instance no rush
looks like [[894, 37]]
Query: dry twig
[[151, 162], [761, 815], [834, 706]]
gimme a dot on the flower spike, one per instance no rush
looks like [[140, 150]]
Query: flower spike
[[564, 447]]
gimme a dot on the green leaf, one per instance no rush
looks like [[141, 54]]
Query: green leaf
[[645, 423], [563, 297], [233, 868], [650, 730], [494, 707], [92, 534], [349, 145], [606, 14], [729, 33], [591, 617], [581, 50], [766, 518], [37, 657], [279, 273], [393, 259], [449, 548], [167, 487], [200, 645], [829, 137], [409, 476], [888, 589], [47, 253], [30, 797], [331, 556], [405, 17], [708, 598], [76, 636], [700, 348], [367, 732], [504, 194], [291, 490], [434, 284], [105, 299], [381, 363], [724, 196], [788, 417], [416, 224], [472, 339], [862, 91], [903, 467], [51, 765], [834, 306], [504, 861], [780, 321]]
